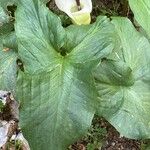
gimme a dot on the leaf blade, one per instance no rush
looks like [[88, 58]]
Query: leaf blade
[[8, 70], [141, 12], [35, 24], [126, 106], [62, 105], [98, 43]]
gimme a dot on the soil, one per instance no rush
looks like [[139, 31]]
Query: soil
[[115, 142], [110, 141]]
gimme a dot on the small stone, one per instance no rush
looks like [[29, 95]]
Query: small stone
[[113, 143]]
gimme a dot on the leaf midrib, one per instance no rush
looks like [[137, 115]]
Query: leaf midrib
[[62, 83]]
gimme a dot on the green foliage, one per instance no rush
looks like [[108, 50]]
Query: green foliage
[[4, 18], [123, 83], [1, 106], [96, 135], [141, 10], [145, 145], [56, 88], [8, 70], [5, 3], [6, 25]]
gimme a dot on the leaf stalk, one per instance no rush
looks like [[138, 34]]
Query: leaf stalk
[[78, 5]]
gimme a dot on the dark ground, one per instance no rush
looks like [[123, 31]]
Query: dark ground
[[103, 136]]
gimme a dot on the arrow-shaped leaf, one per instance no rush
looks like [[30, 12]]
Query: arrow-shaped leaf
[[123, 83], [56, 91]]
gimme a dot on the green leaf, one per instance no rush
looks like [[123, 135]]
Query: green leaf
[[123, 83], [8, 70], [10, 41], [5, 3], [7, 28], [56, 91], [4, 18], [1, 105], [141, 10], [57, 106], [45, 1], [6, 25], [74, 36], [34, 30], [145, 145], [96, 43]]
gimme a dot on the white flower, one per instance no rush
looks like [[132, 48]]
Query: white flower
[[78, 14]]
